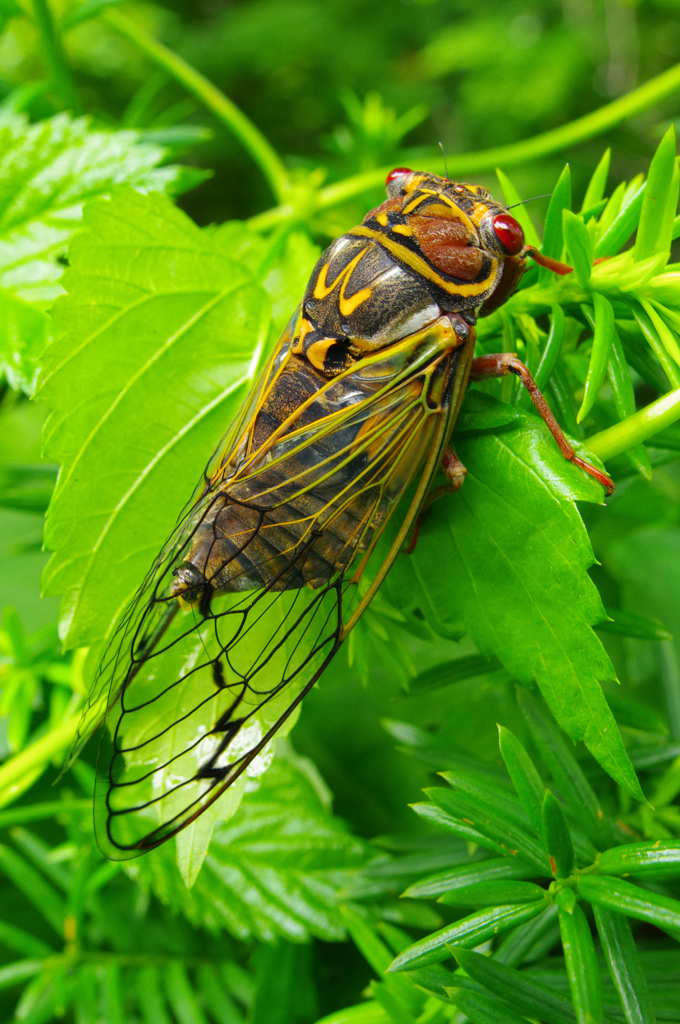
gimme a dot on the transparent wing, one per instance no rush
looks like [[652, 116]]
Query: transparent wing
[[259, 584]]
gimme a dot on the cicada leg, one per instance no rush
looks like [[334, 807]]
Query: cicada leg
[[455, 472], [502, 363]]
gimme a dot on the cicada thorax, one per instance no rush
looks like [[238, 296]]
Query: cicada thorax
[[296, 501]]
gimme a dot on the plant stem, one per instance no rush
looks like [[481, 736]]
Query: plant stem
[[264, 155], [35, 756], [636, 428], [53, 52], [506, 156]]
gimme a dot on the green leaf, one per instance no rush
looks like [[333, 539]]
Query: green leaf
[[222, 1007], [632, 714], [159, 329], [513, 198], [598, 182], [521, 990], [629, 899], [518, 550], [277, 869], [580, 959], [487, 794], [150, 996], [524, 775], [622, 227], [579, 246], [495, 893], [552, 348], [661, 859], [470, 931], [653, 211], [624, 965], [522, 941], [496, 869], [34, 887], [22, 942], [181, 996], [10, 974], [482, 1010], [556, 837], [600, 355], [552, 232], [436, 816], [491, 821], [451, 672], [571, 782]]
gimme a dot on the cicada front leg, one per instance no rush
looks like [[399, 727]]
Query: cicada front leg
[[502, 363]]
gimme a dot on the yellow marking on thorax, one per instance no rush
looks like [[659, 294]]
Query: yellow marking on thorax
[[417, 263], [402, 229], [345, 305], [316, 353], [382, 219]]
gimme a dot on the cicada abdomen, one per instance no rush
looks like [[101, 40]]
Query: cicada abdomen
[[307, 503]]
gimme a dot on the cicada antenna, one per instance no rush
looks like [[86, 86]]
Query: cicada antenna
[[548, 195], [446, 168]]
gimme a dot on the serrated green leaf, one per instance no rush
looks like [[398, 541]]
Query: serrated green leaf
[[470, 931], [653, 210], [556, 837], [580, 959], [526, 994], [624, 965], [518, 550], [629, 899], [493, 894], [524, 775], [279, 868], [159, 329], [579, 246]]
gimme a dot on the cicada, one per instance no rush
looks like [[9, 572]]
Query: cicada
[[310, 497]]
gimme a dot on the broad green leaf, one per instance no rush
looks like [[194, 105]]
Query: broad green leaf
[[624, 965], [629, 899], [579, 246], [556, 837], [490, 894], [470, 931], [516, 547], [653, 211], [159, 330], [277, 869], [47, 171], [524, 775], [580, 959], [660, 859]]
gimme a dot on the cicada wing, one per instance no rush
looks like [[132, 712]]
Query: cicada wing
[[276, 562]]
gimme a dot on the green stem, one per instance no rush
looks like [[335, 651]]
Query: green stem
[[60, 73], [636, 428], [34, 757], [221, 106], [507, 156]]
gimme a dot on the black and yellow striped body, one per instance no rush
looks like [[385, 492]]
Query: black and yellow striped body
[[373, 364]]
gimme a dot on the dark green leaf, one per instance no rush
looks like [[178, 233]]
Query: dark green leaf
[[34, 887], [637, 626], [493, 894], [632, 714], [624, 965], [556, 837], [397, 1013], [525, 778], [436, 816], [653, 211], [579, 246], [452, 672], [524, 993], [660, 859], [488, 794], [580, 959], [629, 899], [496, 869], [470, 931], [482, 1009]]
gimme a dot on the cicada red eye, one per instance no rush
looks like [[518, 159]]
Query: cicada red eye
[[509, 233], [398, 172]]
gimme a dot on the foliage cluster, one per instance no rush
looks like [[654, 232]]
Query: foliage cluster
[[556, 882]]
